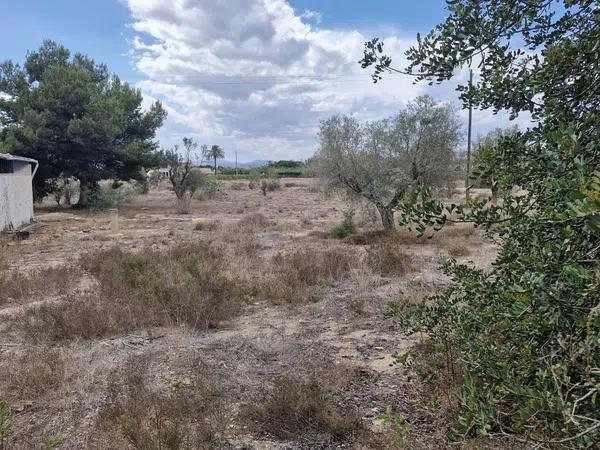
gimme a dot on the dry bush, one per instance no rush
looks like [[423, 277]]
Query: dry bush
[[182, 415], [58, 280], [254, 222], [301, 409], [458, 250], [291, 184], [388, 259], [355, 239], [269, 185], [86, 317], [320, 234], [455, 231], [297, 276], [207, 225], [185, 286], [184, 204], [32, 374]]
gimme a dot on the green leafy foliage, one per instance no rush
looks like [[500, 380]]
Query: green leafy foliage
[[5, 425], [527, 331], [346, 228], [76, 119], [380, 161]]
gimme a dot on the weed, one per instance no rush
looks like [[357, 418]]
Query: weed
[[6, 429], [346, 228], [297, 408], [52, 442], [398, 424]]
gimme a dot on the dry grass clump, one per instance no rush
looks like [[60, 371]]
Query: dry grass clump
[[47, 282], [207, 225], [388, 259], [458, 250], [237, 186], [301, 409], [297, 276], [30, 375], [355, 239], [180, 415], [254, 222], [185, 286]]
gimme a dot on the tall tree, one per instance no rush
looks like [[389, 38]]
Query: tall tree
[[528, 329], [214, 152], [76, 119], [381, 161]]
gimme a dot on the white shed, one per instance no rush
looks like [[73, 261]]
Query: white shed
[[16, 191]]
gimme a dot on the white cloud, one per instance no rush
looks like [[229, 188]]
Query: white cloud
[[309, 15], [252, 76]]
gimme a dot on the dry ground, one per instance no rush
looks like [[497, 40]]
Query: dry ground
[[289, 347]]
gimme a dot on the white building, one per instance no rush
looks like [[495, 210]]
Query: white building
[[16, 191]]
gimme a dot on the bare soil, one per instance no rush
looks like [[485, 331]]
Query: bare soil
[[341, 337]]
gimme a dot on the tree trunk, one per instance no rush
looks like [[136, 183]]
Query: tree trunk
[[387, 217], [215, 165], [85, 189], [494, 194]]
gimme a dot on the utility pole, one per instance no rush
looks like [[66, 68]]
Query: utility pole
[[467, 181], [236, 170]]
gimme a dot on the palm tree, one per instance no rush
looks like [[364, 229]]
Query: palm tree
[[214, 153]]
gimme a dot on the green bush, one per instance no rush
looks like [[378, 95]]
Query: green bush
[[525, 332], [5, 425], [106, 197], [344, 229]]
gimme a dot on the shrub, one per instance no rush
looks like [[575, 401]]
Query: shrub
[[5, 426], [178, 416], [31, 374], [207, 225], [297, 277], [296, 408], [185, 286], [209, 187], [254, 179], [269, 186], [388, 259], [253, 222], [55, 280], [345, 228], [458, 250], [106, 197], [184, 203]]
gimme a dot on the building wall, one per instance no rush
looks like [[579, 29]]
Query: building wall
[[16, 197]]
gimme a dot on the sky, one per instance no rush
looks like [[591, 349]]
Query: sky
[[254, 76]]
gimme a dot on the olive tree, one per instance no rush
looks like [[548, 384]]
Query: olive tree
[[381, 161], [525, 331], [186, 180], [487, 161]]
